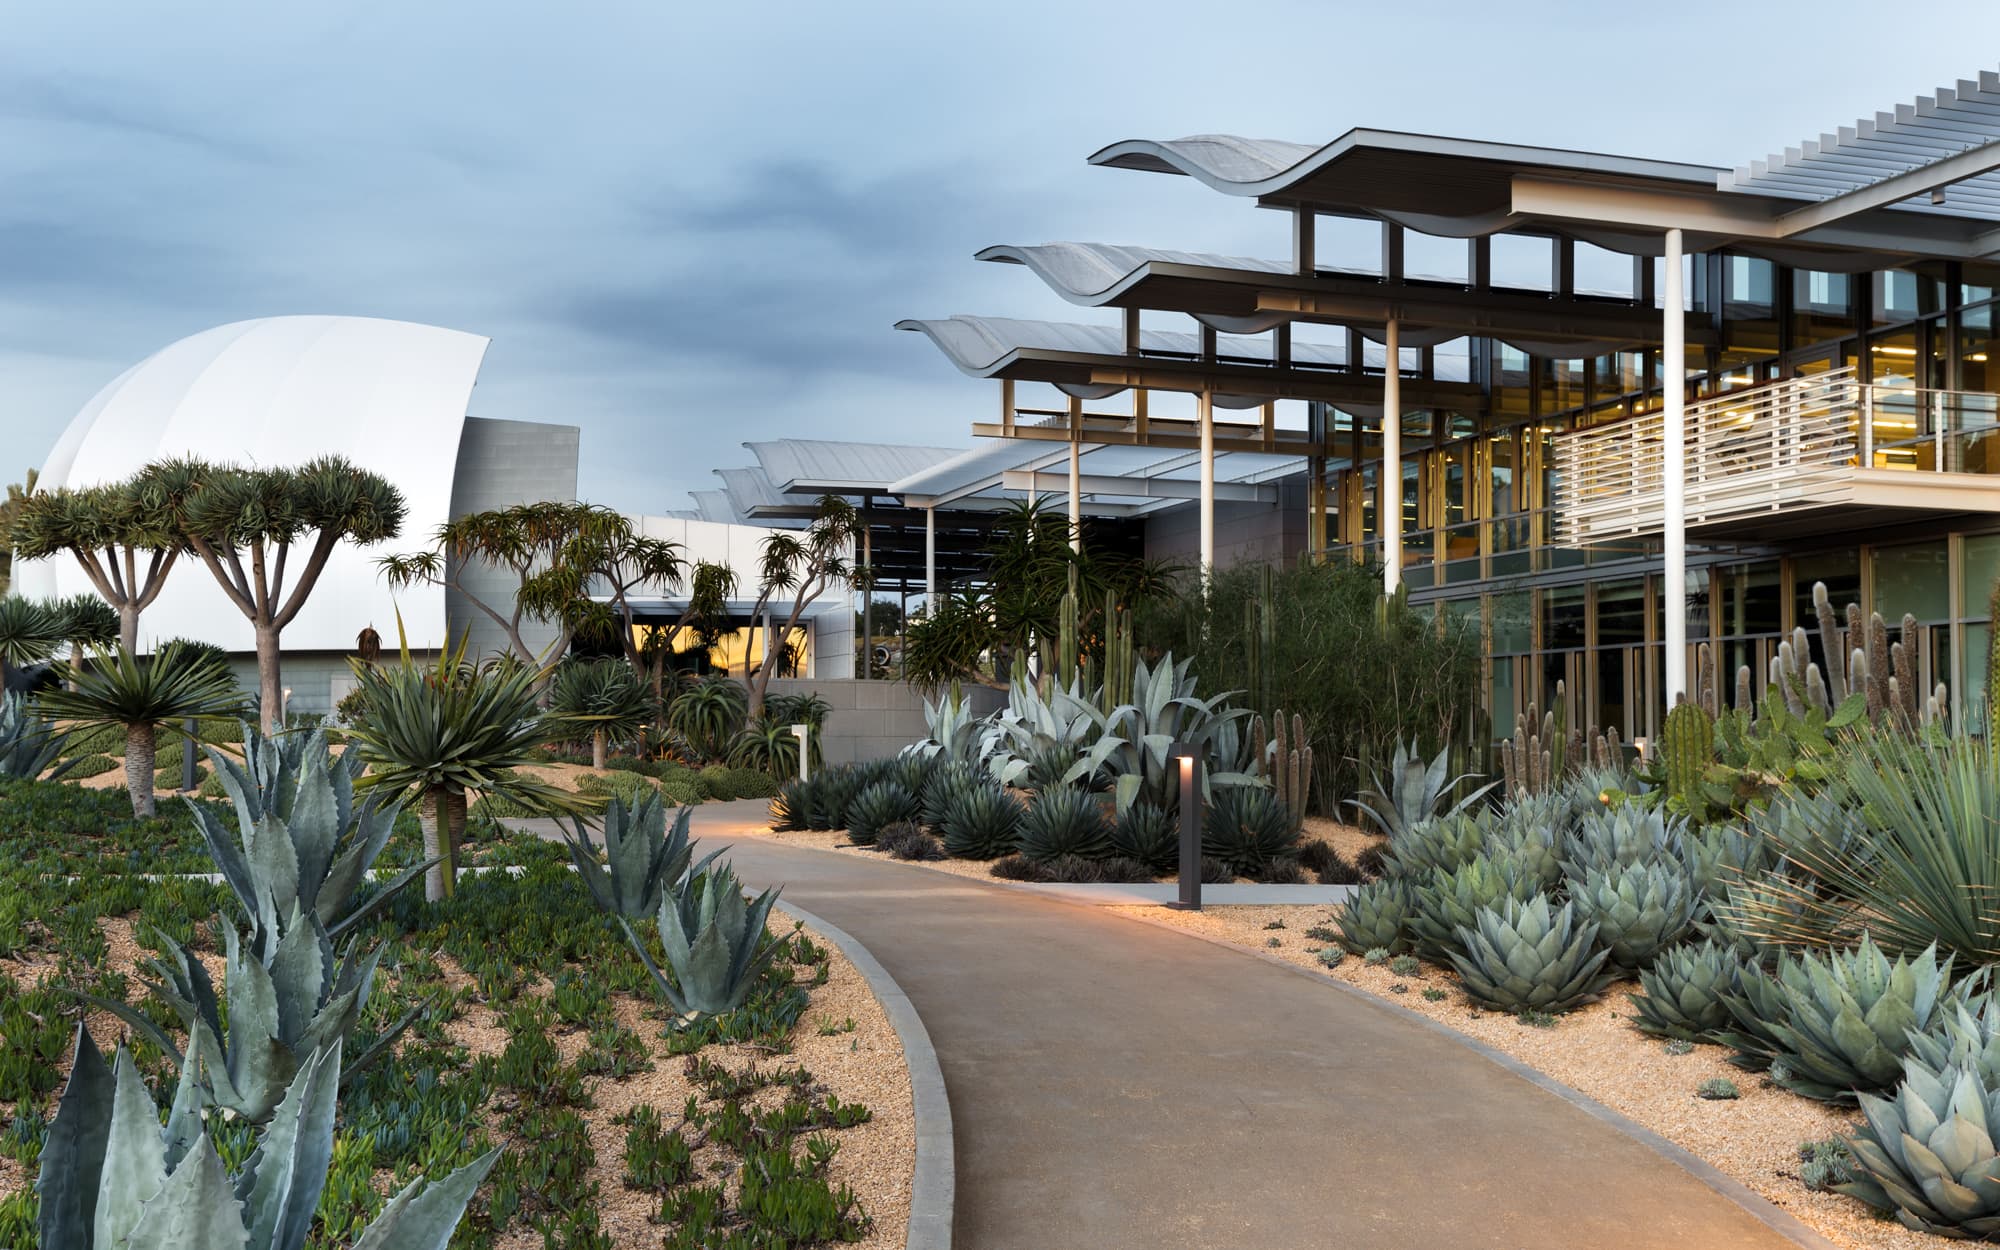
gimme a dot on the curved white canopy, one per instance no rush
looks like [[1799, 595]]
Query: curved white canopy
[[389, 395]]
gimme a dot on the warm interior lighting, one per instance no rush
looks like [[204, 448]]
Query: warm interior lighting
[[1888, 350]]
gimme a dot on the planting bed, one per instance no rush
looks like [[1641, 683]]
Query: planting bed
[[1596, 1051]]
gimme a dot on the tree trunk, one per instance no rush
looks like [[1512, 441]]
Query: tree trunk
[[75, 662], [438, 877], [139, 767], [454, 804], [270, 682], [597, 750], [128, 627]]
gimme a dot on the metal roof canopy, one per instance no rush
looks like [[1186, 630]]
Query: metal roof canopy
[[1133, 480]]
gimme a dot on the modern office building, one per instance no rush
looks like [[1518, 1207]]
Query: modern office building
[[1635, 405]]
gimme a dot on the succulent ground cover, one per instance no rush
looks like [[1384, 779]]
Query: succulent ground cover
[[538, 1030]]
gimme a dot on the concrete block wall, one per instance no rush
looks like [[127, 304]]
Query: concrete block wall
[[871, 719]]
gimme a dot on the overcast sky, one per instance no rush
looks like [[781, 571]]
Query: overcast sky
[[685, 226]]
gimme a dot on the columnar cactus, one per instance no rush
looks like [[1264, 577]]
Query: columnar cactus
[[1687, 748]]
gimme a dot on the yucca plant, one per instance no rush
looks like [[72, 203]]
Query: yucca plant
[[880, 805], [1927, 1155], [1639, 909], [644, 856], [1435, 842], [1064, 820], [1148, 834], [1412, 791], [1845, 1021], [714, 941], [603, 698], [792, 808], [1684, 993], [112, 1179], [1246, 828], [707, 712], [444, 729], [1526, 955], [138, 696], [982, 822], [1376, 916], [30, 744], [1448, 901]]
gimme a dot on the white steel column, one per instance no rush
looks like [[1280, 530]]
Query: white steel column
[[1207, 414], [1389, 512], [1673, 483], [1075, 474], [930, 559]]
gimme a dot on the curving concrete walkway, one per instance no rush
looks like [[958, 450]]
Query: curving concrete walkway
[[1114, 1085]]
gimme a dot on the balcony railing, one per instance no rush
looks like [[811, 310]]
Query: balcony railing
[[1792, 444]]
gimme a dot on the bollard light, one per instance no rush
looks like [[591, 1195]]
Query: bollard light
[[800, 732], [1186, 761]]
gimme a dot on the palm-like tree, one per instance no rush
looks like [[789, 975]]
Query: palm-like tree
[[87, 623], [602, 697], [30, 632], [139, 695], [446, 728]]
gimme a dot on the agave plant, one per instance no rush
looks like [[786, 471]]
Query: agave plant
[[1377, 915], [603, 698], [1247, 827], [1528, 956], [881, 804], [1640, 909], [982, 822], [1528, 849], [956, 734], [1435, 842], [30, 744], [951, 778], [792, 808], [1064, 821], [833, 790], [767, 745], [714, 940], [446, 729], [1148, 834], [707, 713], [1684, 993], [1967, 1035], [643, 856], [113, 1179], [1927, 1155], [1843, 1023], [1448, 901], [139, 695], [1413, 790], [1621, 836]]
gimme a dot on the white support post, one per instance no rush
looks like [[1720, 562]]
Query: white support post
[[1206, 409], [1075, 474], [930, 558], [1389, 512], [1673, 437]]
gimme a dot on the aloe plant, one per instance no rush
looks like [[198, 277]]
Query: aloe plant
[[714, 940], [1413, 790], [643, 856], [113, 1179], [1529, 956]]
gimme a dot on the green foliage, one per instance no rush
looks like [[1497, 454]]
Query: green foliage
[[1435, 842], [1927, 1156], [1825, 1164], [1148, 834], [643, 857], [1684, 992], [1528, 956], [604, 699], [1064, 821], [1248, 828], [876, 807], [1840, 1025], [714, 942], [30, 632], [1639, 909], [30, 744], [768, 750], [1413, 791], [1687, 748], [983, 821], [707, 713], [791, 809], [908, 840], [833, 790], [1609, 839], [1447, 903], [1718, 1089], [1377, 916]]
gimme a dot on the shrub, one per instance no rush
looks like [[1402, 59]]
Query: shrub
[[1377, 916], [91, 766], [1718, 1089], [909, 840], [631, 787], [1528, 956], [1062, 821], [876, 808], [982, 822], [1020, 868], [1247, 828], [1282, 872], [749, 783], [1125, 871], [1326, 864], [1148, 834]]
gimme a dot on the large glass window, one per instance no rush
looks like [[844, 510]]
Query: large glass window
[[1822, 306], [1563, 382], [1621, 612], [1562, 617], [1912, 579], [1513, 628], [1433, 258], [1749, 307], [1600, 271], [1523, 261], [1977, 369], [1901, 295]]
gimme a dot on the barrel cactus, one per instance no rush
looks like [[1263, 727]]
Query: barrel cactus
[[1927, 1156], [886, 802], [1683, 992], [1448, 901], [1065, 820], [1148, 834], [1247, 828], [1377, 916], [1436, 842], [1530, 956], [981, 822], [1639, 909], [1687, 748]]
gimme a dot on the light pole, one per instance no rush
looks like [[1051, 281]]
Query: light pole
[[801, 732], [1187, 762]]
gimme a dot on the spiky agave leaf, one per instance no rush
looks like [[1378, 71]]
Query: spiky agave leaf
[[1927, 1155], [1377, 916], [982, 822], [875, 808], [1435, 842], [1684, 992], [1448, 901], [1639, 909], [791, 807], [643, 855], [714, 940], [1848, 1019], [1528, 956]]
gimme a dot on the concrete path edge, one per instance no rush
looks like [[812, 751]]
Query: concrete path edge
[[933, 1186], [1766, 1212]]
